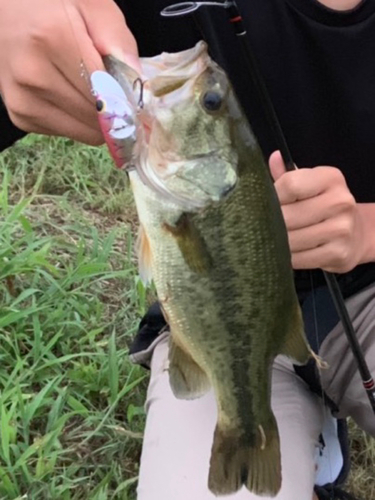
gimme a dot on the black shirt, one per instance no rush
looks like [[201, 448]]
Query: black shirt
[[319, 68], [318, 65]]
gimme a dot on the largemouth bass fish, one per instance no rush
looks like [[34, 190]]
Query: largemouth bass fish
[[213, 240]]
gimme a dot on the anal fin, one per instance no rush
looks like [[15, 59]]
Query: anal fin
[[187, 379]]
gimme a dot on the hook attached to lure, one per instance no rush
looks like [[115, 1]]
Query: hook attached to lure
[[139, 82]]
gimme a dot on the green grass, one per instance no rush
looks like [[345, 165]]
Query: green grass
[[71, 403], [362, 477]]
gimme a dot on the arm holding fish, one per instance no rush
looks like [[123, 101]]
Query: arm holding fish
[[327, 228], [42, 45]]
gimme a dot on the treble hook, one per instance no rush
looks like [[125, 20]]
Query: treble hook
[[183, 8], [141, 84]]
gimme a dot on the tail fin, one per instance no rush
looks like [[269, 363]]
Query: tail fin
[[234, 462]]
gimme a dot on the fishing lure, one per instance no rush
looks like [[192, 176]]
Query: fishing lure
[[117, 118]]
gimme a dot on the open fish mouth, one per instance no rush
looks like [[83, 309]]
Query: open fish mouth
[[215, 195], [198, 181], [201, 156], [195, 199]]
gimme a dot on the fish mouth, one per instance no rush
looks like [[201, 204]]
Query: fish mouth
[[200, 156], [184, 189], [227, 190], [203, 182], [208, 195]]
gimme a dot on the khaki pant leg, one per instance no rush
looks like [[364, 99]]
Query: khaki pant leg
[[179, 434], [341, 380]]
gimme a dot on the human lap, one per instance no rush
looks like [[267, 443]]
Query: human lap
[[178, 437]]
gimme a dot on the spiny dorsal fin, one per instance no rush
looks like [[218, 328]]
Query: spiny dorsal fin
[[144, 254]]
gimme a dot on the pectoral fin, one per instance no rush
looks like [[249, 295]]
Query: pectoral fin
[[191, 244], [296, 345], [144, 254], [187, 379]]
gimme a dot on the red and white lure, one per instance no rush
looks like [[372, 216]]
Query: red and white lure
[[117, 118]]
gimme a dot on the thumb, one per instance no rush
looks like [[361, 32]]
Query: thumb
[[109, 32], [277, 166]]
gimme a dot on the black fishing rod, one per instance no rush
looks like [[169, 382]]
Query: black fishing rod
[[236, 20]]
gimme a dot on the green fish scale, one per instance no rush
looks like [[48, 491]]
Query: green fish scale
[[233, 318]]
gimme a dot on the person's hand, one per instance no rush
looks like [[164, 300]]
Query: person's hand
[[327, 229], [42, 46]]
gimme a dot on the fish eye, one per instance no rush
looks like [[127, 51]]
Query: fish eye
[[212, 101], [100, 106]]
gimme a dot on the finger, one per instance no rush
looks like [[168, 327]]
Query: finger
[[68, 126], [57, 78], [306, 183], [80, 58], [325, 257], [75, 131], [107, 28], [328, 205], [277, 166], [78, 134], [36, 93], [55, 41], [339, 229]]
